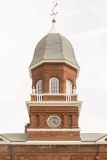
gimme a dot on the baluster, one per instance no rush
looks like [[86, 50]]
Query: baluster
[[70, 97]]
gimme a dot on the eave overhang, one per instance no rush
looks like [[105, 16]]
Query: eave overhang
[[54, 103], [53, 143]]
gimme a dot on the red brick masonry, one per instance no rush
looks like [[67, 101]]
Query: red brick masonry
[[53, 136], [61, 71], [53, 152]]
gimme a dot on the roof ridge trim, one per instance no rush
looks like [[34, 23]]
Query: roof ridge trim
[[102, 137], [45, 45], [4, 138], [61, 46]]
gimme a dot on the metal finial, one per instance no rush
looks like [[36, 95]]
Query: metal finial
[[53, 12]]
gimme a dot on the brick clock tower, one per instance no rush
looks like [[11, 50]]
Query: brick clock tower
[[53, 109], [53, 132]]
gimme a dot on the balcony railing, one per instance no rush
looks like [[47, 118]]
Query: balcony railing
[[39, 97], [68, 97], [53, 97]]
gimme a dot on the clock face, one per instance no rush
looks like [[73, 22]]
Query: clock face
[[53, 121]]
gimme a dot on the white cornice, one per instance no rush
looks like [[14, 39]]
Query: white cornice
[[54, 61], [53, 143], [61, 130], [53, 103]]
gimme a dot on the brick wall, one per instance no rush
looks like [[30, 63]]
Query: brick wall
[[53, 136], [39, 115], [68, 116], [53, 152], [46, 71]]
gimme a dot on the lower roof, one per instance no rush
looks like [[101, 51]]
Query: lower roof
[[22, 137]]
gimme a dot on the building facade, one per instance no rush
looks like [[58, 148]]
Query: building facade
[[53, 132]]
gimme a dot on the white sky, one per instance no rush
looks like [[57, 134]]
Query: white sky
[[22, 24]]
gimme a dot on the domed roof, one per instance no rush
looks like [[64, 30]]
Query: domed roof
[[54, 47]]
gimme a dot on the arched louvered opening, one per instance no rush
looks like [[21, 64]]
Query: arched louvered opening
[[39, 87], [68, 87], [54, 85]]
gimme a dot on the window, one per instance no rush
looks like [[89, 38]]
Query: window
[[39, 87], [68, 87], [54, 85]]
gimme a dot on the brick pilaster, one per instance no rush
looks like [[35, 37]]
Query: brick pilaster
[[41, 120], [33, 120], [66, 120], [74, 120]]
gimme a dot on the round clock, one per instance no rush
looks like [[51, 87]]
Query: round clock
[[53, 121]]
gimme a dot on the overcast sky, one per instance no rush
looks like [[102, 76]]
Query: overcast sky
[[22, 24]]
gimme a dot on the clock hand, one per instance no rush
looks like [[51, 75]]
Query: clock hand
[[55, 122]]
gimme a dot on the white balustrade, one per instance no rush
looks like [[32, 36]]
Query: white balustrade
[[68, 97], [39, 97]]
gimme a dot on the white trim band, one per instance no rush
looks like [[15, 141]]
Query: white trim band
[[55, 103], [61, 130], [53, 143], [51, 94]]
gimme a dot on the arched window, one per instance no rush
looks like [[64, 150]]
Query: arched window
[[39, 87], [68, 87], [54, 85]]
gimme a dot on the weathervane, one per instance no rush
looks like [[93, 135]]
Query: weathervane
[[53, 13]]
